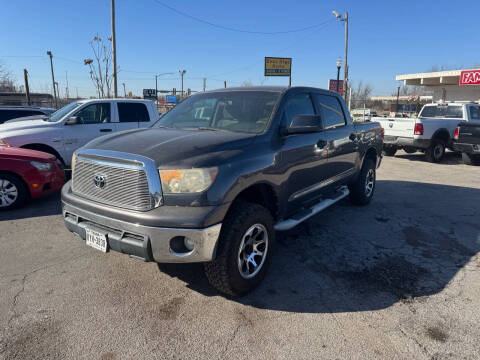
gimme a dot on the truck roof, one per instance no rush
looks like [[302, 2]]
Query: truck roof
[[266, 88], [84, 101]]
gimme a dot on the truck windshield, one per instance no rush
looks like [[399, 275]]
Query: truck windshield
[[238, 111], [60, 113], [442, 111]]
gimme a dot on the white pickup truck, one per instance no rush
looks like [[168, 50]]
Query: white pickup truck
[[431, 132], [72, 126]]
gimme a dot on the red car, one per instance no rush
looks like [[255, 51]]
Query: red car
[[26, 174]]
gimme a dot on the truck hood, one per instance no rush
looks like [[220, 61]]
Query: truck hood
[[24, 125], [176, 147], [25, 118], [24, 154]]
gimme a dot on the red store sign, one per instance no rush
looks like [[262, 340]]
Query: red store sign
[[470, 77]]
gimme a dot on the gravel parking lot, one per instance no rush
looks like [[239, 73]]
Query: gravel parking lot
[[399, 278]]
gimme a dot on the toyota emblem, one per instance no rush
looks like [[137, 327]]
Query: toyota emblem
[[391, 125], [100, 181]]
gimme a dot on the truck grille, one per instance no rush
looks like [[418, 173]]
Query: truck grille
[[112, 185]]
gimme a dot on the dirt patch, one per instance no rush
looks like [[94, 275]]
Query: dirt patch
[[169, 310], [437, 333], [38, 340], [108, 356]]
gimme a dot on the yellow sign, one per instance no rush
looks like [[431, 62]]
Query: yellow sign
[[278, 66]]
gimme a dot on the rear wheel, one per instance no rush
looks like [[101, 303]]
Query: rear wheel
[[390, 150], [409, 150], [361, 191], [470, 159], [435, 151], [244, 250], [13, 192]]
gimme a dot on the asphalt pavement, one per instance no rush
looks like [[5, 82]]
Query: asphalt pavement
[[397, 279]]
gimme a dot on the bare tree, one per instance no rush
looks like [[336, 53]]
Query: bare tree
[[360, 93], [246, 83], [6, 79], [100, 65]]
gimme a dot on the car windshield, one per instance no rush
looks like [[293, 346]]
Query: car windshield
[[238, 111], [442, 111], [60, 113]]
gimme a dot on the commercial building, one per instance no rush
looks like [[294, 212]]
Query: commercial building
[[451, 85]]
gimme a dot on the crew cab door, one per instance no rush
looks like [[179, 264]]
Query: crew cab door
[[303, 157], [132, 115], [94, 120], [340, 136]]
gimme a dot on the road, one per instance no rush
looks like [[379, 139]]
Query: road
[[399, 278]]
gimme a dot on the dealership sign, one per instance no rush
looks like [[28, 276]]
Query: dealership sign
[[470, 77], [278, 66], [332, 86]]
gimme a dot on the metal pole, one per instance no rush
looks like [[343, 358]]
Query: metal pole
[[156, 86], [27, 89], [124, 91], [225, 84], [290, 80], [114, 52], [345, 69], [338, 77], [398, 95], [182, 84], [49, 53], [204, 84]]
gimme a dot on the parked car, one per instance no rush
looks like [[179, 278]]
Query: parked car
[[432, 132], [26, 174], [77, 123], [7, 113], [467, 141], [217, 175]]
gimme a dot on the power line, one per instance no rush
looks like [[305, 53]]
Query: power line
[[218, 26]]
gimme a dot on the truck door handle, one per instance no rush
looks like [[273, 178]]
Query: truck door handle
[[105, 130], [352, 137]]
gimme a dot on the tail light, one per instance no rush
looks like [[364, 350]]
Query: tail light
[[418, 130], [457, 131]]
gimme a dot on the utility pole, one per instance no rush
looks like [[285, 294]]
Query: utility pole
[[225, 84], [55, 84], [67, 93], [114, 52], [345, 69], [182, 72], [398, 96], [124, 92], [204, 84], [27, 89], [49, 53]]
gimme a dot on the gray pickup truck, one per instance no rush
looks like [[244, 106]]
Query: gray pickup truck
[[218, 175]]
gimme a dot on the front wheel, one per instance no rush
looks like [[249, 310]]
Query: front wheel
[[361, 191], [244, 250], [13, 192]]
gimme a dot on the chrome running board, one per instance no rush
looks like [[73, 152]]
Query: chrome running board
[[315, 209]]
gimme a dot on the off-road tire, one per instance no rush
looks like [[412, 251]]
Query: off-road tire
[[21, 190], [223, 273], [469, 159], [431, 153], [390, 150], [358, 191]]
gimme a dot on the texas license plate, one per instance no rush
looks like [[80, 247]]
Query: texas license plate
[[96, 239]]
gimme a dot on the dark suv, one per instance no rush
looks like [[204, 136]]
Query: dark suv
[[14, 112]]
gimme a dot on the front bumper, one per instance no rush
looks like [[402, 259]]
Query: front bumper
[[145, 242], [43, 183], [406, 141]]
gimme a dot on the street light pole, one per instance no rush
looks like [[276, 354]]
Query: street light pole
[[345, 69], [114, 52], [339, 65], [49, 53], [182, 72], [156, 83]]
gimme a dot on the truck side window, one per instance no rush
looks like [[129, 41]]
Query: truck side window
[[300, 104], [332, 113], [474, 112], [132, 112], [95, 114]]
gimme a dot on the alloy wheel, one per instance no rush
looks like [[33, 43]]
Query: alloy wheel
[[253, 251], [369, 182], [8, 193]]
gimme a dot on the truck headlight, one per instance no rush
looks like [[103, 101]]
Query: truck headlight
[[42, 166], [179, 181]]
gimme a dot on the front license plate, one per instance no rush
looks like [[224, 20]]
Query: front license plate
[[96, 240]]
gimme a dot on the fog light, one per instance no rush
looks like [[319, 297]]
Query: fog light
[[189, 244]]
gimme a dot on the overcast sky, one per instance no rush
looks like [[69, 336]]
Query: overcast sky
[[386, 38]]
